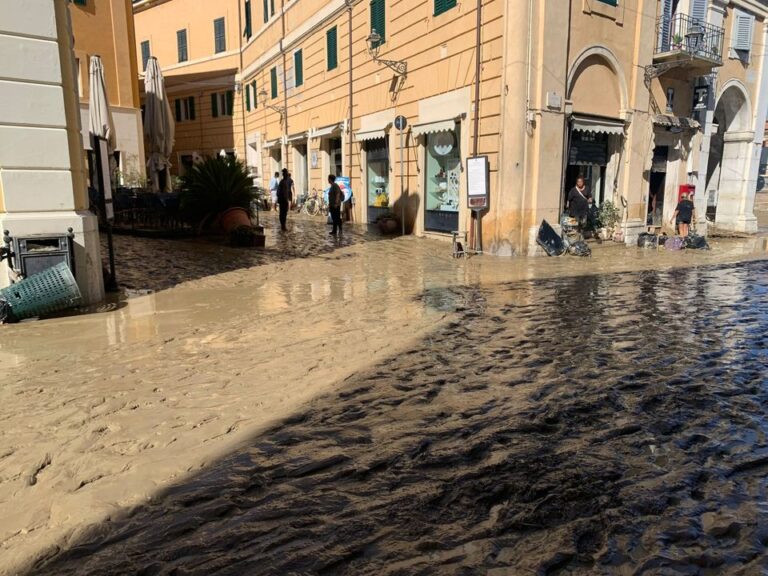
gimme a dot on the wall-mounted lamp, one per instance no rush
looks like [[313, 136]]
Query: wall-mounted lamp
[[400, 67], [265, 102]]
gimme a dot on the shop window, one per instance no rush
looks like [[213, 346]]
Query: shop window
[[443, 178], [443, 6], [334, 150], [331, 49], [377, 175], [219, 37]]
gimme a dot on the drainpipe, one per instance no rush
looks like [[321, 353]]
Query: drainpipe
[[243, 86], [528, 128], [475, 233], [566, 134], [349, 124], [284, 143]]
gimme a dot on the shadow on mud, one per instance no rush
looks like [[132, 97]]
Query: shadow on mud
[[595, 425]]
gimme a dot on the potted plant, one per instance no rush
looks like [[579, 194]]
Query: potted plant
[[387, 223], [677, 42], [217, 190], [247, 236], [609, 217]]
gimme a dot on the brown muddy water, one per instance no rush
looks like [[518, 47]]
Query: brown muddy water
[[599, 424]]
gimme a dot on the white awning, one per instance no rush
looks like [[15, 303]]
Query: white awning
[[434, 127], [370, 135], [597, 125], [296, 137], [326, 130], [271, 143]]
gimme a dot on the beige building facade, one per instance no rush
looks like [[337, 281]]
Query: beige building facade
[[640, 96], [105, 28]]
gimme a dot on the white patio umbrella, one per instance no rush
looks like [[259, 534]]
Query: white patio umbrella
[[100, 122], [158, 125]]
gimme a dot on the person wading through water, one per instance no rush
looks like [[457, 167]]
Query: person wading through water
[[284, 197], [335, 199], [684, 213]]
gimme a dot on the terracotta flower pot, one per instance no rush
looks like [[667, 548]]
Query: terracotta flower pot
[[387, 225], [233, 218]]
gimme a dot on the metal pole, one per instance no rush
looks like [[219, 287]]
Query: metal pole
[[402, 185]]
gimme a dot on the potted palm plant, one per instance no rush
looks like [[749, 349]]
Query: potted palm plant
[[217, 193]]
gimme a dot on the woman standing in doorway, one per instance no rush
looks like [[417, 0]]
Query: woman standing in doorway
[[578, 203]]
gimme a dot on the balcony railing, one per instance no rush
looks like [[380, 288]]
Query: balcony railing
[[681, 36]]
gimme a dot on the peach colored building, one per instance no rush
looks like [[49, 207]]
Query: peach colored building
[[641, 96], [105, 28]]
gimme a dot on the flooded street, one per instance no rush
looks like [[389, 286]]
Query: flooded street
[[375, 407]]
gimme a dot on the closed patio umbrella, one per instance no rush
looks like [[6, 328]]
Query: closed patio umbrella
[[102, 129], [158, 125]]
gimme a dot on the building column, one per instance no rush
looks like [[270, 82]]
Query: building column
[[42, 182]]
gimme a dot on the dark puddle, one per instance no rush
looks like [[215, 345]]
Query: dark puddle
[[592, 425]]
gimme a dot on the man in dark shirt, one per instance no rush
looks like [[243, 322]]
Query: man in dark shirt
[[284, 197], [684, 214], [335, 199]]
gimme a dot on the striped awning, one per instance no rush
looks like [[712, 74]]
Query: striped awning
[[326, 130], [667, 121], [370, 135], [597, 125], [434, 127]]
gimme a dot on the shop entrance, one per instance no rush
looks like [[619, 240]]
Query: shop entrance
[[658, 180], [587, 157], [300, 168]]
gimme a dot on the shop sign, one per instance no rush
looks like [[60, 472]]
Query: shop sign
[[478, 182]]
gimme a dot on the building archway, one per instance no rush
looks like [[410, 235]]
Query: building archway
[[730, 190], [596, 127]]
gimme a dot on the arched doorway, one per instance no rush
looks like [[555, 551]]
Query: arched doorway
[[730, 188]]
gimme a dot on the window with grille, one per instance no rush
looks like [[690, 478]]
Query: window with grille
[[331, 49], [181, 44], [219, 38]]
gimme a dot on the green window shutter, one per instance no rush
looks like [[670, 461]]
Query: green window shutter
[[255, 95], [215, 105], [177, 102], [181, 44], [266, 11], [144, 54], [331, 49], [191, 107], [230, 103], [273, 82], [219, 38], [611, 2], [80, 2], [298, 67], [271, 7], [443, 6], [248, 32], [247, 98], [378, 18]]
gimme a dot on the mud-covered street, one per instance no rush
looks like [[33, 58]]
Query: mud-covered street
[[409, 414]]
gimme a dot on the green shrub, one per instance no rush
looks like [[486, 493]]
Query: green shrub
[[212, 186]]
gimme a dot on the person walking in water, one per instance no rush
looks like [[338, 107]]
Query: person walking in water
[[284, 197], [273, 184], [335, 199], [684, 213]]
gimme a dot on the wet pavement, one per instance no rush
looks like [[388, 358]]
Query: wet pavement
[[448, 417]]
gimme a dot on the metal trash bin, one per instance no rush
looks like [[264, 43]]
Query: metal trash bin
[[49, 291]]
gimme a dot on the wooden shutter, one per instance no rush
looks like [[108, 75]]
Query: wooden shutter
[[177, 102], [271, 7], [255, 95], [443, 6], [181, 42], [219, 39], [273, 81], [247, 98], [248, 32], [80, 2], [298, 67], [191, 107], [699, 11], [742, 31], [144, 54], [331, 48], [378, 18], [215, 105], [266, 11], [230, 103]]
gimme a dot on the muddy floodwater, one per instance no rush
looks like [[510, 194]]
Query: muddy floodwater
[[409, 414]]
